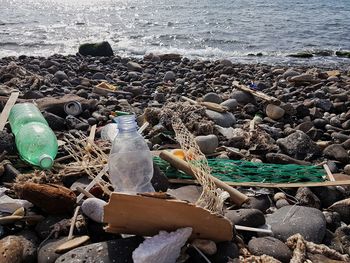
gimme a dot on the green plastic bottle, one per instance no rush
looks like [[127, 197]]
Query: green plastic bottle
[[24, 113], [35, 141]]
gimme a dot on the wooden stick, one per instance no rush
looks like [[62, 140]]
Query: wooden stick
[[236, 196], [256, 93], [270, 185], [93, 182], [143, 127], [209, 105], [253, 229], [83, 191], [6, 111], [329, 173], [91, 138], [72, 223]]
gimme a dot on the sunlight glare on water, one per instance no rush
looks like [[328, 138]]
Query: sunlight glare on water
[[204, 29]]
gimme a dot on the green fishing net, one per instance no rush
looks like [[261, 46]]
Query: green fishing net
[[244, 171]]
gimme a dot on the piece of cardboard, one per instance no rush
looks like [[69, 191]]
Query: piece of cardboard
[[146, 216]]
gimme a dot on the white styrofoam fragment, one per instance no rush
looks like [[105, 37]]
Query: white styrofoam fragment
[[162, 248]]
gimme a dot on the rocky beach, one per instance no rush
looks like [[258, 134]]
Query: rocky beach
[[303, 120]]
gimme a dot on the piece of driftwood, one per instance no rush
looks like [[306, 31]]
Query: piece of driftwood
[[52, 103], [146, 216], [209, 105], [270, 185], [235, 196], [256, 93], [6, 111], [104, 91]]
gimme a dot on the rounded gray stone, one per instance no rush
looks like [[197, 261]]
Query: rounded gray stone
[[116, 251], [242, 97], [93, 209], [231, 104], [169, 76], [270, 246], [289, 220], [207, 143], [225, 120], [336, 152], [212, 97], [60, 75]]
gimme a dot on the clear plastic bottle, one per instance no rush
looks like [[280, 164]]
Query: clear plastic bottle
[[130, 161], [24, 113], [35, 141], [109, 132]]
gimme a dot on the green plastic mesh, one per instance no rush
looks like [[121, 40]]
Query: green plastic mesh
[[244, 171]]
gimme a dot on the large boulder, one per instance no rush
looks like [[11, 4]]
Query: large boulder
[[102, 49]]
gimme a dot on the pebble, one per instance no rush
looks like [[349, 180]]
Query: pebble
[[327, 195], [289, 220], [11, 250], [281, 203], [46, 253], [242, 97], [225, 251], [302, 78], [61, 75], [207, 143], [246, 217], [274, 112], [290, 73], [30, 243], [347, 169], [260, 202], [306, 197], [336, 152], [208, 247], [231, 104], [93, 209], [226, 119], [169, 76], [133, 66], [270, 246], [55, 122], [212, 97], [113, 251], [298, 145], [44, 195]]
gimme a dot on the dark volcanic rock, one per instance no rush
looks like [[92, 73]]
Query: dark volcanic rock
[[246, 217], [116, 251], [225, 251], [336, 152], [102, 49], [298, 145]]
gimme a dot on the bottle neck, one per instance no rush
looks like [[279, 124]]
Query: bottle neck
[[127, 124]]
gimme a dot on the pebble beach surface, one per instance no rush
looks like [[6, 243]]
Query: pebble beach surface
[[311, 125]]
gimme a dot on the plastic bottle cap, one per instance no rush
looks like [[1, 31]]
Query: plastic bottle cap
[[45, 161]]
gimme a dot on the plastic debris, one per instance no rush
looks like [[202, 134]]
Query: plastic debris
[[162, 248], [10, 205]]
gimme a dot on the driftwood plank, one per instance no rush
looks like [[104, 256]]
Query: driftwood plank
[[270, 185], [256, 93], [146, 216], [6, 111]]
